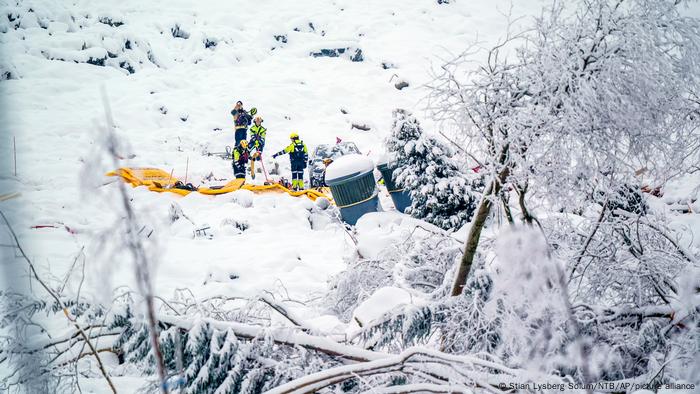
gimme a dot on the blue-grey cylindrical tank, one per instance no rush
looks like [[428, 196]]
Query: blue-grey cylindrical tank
[[401, 197], [352, 184]]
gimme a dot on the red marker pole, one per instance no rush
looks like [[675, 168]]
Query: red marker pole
[[262, 163]]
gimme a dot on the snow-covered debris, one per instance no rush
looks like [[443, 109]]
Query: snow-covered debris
[[322, 203], [243, 198], [382, 301], [377, 231]]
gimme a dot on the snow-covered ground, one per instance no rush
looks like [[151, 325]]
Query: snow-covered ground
[[175, 106], [191, 61]]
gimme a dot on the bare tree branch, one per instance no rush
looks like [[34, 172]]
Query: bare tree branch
[[58, 300]]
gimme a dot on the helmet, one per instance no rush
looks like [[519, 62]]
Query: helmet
[[257, 118], [244, 143], [294, 135]]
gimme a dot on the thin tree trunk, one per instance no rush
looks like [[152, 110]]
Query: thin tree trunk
[[474, 235], [61, 304], [506, 208], [521, 201]]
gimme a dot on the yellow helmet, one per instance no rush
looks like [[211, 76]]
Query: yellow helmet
[[244, 143], [294, 135]]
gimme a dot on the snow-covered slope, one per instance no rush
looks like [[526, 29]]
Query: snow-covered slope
[[172, 71], [176, 104]]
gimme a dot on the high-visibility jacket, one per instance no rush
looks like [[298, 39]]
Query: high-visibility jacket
[[298, 154], [257, 137], [240, 154]]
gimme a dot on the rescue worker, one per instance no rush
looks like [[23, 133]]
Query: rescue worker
[[241, 154], [257, 137], [241, 119], [298, 155]]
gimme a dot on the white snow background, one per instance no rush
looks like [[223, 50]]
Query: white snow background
[[176, 104]]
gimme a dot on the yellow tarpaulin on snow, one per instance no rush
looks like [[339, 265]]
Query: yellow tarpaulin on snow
[[158, 180]]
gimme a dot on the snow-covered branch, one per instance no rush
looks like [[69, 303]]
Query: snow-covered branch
[[441, 367], [286, 336]]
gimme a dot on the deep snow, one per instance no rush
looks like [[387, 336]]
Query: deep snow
[[176, 106], [167, 115]]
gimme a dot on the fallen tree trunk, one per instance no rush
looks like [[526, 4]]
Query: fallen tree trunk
[[444, 370], [439, 369], [285, 336]]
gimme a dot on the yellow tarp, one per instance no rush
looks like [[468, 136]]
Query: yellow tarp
[[275, 187], [158, 180]]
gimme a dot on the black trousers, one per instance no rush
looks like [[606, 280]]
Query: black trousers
[[240, 135], [298, 170], [238, 169]]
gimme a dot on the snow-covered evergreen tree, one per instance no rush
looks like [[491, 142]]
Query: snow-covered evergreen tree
[[203, 358], [440, 193]]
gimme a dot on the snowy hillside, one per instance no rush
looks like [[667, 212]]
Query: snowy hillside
[[172, 72], [176, 104]]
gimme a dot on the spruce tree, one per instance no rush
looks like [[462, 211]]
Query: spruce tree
[[423, 166]]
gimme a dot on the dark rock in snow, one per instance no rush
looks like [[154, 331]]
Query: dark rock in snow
[[357, 57], [210, 43], [362, 127], [100, 61], [126, 66], [152, 58], [400, 85], [109, 21], [179, 32], [336, 52], [328, 52]]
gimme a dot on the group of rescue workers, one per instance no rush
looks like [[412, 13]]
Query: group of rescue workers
[[245, 150]]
